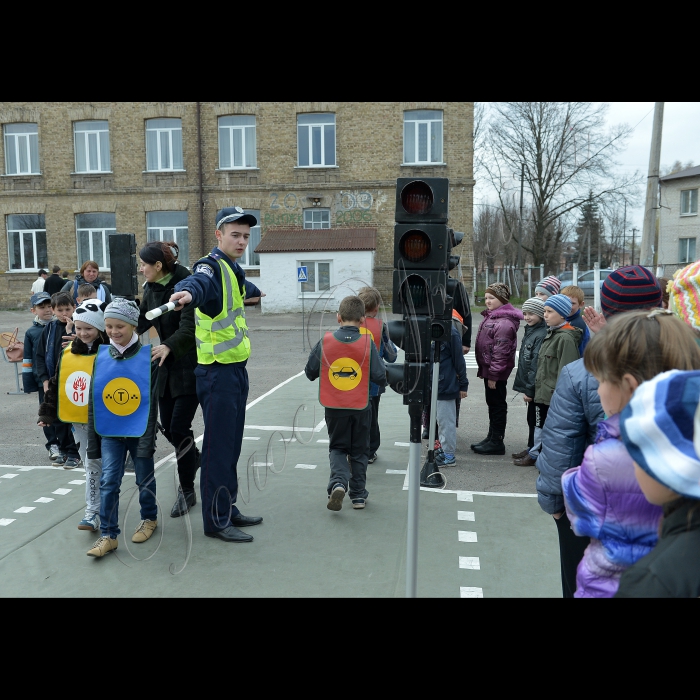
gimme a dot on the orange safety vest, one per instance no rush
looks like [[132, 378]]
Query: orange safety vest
[[344, 377], [373, 326]]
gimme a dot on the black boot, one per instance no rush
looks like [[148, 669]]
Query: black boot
[[483, 442], [494, 446], [185, 500]]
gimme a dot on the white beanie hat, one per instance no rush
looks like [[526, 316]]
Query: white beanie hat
[[91, 311]]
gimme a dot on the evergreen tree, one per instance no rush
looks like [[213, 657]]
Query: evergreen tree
[[589, 234]]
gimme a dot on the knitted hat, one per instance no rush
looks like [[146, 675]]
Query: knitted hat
[[92, 312], [500, 291], [660, 427], [549, 285], [534, 306], [684, 295], [631, 288], [124, 310], [560, 303]]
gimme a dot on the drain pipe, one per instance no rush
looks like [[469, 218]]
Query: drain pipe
[[202, 249]]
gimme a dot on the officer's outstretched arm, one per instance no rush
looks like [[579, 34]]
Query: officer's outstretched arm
[[181, 299]]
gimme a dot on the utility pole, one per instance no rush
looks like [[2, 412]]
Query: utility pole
[[634, 230], [652, 199], [520, 224], [624, 229]]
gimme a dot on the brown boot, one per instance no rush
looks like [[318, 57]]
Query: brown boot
[[526, 461], [520, 455]]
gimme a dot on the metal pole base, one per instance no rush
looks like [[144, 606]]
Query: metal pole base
[[430, 475]]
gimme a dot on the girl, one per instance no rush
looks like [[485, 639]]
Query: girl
[[68, 396], [602, 497], [177, 358], [496, 343]]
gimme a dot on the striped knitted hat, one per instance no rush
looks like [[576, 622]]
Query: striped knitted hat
[[500, 291], [631, 288], [560, 303], [660, 427], [549, 285], [534, 306], [684, 295]]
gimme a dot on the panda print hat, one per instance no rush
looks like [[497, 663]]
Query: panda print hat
[[92, 312]]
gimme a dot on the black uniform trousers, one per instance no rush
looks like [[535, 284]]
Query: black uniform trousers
[[348, 434], [222, 391], [531, 423], [571, 549], [374, 433]]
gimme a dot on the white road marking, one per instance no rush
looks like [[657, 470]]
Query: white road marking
[[281, 428], [6, 521], [287, 440], [465, 515], [43, 499], [25, 509], [324, 441], [260, 398], [77, 481], [320, 426], [469, 563], [8, 476], [402, 444], [251, 438], [466, 536], [464, 496], [305, 466], [396, 471], [470, 592], [62, 492]]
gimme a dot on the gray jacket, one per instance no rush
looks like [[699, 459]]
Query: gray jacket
[[527, 360], [572, 421]]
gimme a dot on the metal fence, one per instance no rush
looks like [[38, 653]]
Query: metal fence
[[521, 281]]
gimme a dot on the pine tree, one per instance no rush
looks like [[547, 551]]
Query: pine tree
[[588, 232]]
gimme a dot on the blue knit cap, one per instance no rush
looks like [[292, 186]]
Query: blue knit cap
[[660, 427], [560, 303]]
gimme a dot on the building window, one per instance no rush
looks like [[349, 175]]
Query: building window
[[686, 249], [91, 147], [170, 226], [249, 258], [317, 218], [93, 230], [316, 139], [237, 142], [164, 144], [26, 240], [319, 277], [21, 149], [689, 202], [422, 137]]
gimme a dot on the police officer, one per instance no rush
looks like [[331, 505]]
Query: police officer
[[216, 288]]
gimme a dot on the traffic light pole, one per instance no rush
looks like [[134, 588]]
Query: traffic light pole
[[414, 412]]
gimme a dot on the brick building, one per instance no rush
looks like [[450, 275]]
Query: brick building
[[72, 173]]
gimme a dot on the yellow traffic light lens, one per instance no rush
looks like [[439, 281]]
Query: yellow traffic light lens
[[415, 246], [417, 198]]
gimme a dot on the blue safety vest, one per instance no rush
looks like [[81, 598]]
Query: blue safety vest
[[122, 393]]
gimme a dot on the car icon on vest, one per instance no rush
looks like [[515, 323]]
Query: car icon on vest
[[345, 372]]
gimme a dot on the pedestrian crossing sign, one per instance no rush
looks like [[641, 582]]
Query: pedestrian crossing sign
[[302, 275]]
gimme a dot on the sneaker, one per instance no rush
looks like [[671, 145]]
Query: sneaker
[[60, 460], [54, 452], [445, 460], [104, 545], [372, 459], [72, 463], [358, 503], [335, 500], [91, 522], [144, 530]]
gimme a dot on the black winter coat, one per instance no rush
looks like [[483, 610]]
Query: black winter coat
[[176, 330], [527, 360]]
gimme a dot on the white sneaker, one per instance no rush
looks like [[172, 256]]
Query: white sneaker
[[335, 500], [54, 452]]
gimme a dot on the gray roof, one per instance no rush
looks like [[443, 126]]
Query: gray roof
[[688, 172]]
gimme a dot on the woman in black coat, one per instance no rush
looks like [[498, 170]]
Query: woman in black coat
[[177, 393]]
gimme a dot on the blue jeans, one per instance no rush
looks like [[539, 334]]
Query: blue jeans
[[113, 457]]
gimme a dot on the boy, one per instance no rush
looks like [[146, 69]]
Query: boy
[[535, 331], [387, 351], [43, 313], [575, 294], [345, 362], [85, 292], [547, 287], [47, 353], [558, 349]]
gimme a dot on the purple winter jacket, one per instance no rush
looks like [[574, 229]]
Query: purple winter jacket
[[603, 501], [497, 341]]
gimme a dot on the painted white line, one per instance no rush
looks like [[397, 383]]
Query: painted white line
[[320, 426], [396, 471], [469, 563], [25, 509], [508, 495], [263, 464], [8, 476], [77, 481], [466, 536], [77, 470], [281, 428], [465, 515], [464, 496], [287, 440], [402, 444], [470, 592], [43, 499], [6, 521], [260, 398], [305, 466], [324, 441], [251, 438], [62, 492]]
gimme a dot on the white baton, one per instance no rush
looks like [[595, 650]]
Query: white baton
[[154, 313]]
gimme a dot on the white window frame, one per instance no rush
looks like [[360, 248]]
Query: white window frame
[[245, 156], [170, 233], [429, 127], [105, 242], [21, 232], [159, 155], [32, 145], [690, 212], [255, 233], [687, 256], [85, 134], [316, 293], [311, 224], [330, 120]]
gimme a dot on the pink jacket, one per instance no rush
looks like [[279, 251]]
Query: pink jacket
[[497, 341]]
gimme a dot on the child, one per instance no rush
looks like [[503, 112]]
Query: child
[[558, 349], [121, 418], [535, 331], [68, 396], [548, 287], [346, 361], [387, 351], [576, 297], [661, 430], [47, 353], [602, 497], [496, 343], [85, 292], [43, 313]]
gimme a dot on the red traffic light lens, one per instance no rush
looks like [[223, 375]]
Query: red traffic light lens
[[414, 246], [417, 198]]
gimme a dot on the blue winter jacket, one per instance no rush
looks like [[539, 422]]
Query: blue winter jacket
[[453, 369], [571, 425]]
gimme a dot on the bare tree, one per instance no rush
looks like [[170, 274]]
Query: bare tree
[[676, 167], [569, 158]]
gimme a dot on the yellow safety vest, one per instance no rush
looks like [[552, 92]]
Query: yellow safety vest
[[74, 378], [223, 338]]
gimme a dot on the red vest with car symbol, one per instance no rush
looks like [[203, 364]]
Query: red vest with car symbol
[[344, 376], [374, 326]]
